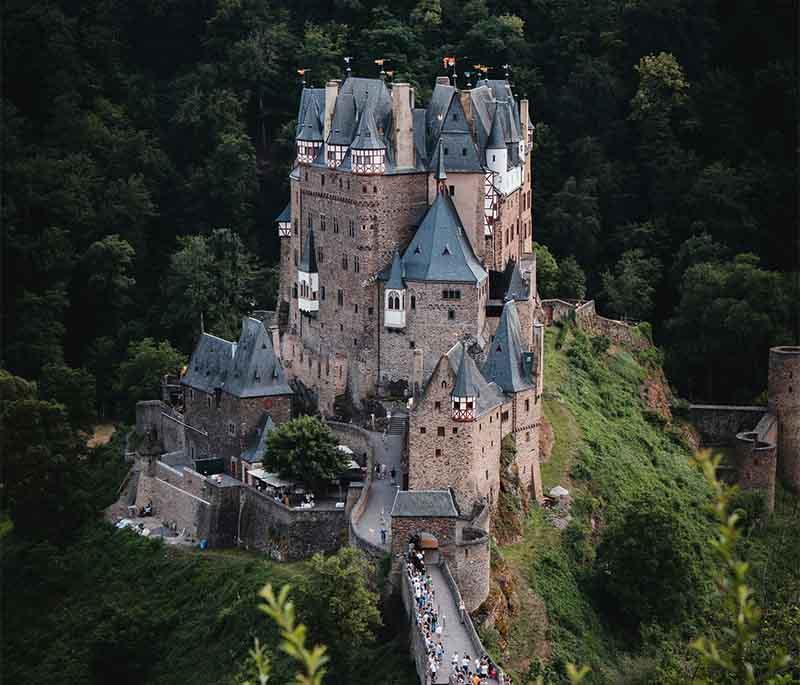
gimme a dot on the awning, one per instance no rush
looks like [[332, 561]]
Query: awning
[[272, 479]]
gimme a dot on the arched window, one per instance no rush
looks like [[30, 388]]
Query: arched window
[[396, 302]]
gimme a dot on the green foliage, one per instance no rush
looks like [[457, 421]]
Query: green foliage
[[631, 288], [305, 450], [727, 660], [75, 389], [571, 282], [546, 272], [648, 564], [214, 277], [141, 373], [340, 607]]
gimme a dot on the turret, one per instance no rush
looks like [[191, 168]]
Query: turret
[[394, 299], [496, 151], [368, 150], [308, 276], [309, 140], [784, 403], [284, 222], [466, 389]]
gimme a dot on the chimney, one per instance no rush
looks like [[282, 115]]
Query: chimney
[[276, 340], [402, 102], [331, 92], [524, 118], [466, 105]]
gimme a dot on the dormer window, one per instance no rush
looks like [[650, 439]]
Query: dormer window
[[369, 161]]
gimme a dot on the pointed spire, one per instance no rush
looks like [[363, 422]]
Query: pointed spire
[[504, 363], [441, 174], [395, 281], [467, 383], [497, 139], [308, 259], [311, 130], [517, 287]]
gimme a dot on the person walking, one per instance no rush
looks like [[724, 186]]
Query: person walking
[[393, 474], [462, 610], [383, 535]]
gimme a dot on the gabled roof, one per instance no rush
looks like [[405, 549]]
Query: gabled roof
[[517, 287], [395, 281], [504, 363], [308, 258], [258, 445], [424, 504], [468, 383], [440, 250], [489, 395], [285, 217], [343, 125], [247, 368]]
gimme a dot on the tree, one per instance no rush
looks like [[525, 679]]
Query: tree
[[339, 606], [647, 565], [571, 281], [546, 272], [73, 388], [571, 226], [213, 276], [42, 456], [141, 373], [304, 449], [630, 289]]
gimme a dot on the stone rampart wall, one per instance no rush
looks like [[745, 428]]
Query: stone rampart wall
[[285, 533], [589, 321], [416, 641], [719, 424]]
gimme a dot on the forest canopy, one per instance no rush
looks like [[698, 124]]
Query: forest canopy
[[147, 146]]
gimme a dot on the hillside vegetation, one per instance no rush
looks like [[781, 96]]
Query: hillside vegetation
[[638, 503]]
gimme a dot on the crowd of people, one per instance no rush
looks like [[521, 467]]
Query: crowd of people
[[464, 670]]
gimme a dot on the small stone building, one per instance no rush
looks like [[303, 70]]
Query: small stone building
[[233, 393]]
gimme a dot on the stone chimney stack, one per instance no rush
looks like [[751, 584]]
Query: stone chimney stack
[[276, 340], [524, 117], [331, 92], [402, 105]]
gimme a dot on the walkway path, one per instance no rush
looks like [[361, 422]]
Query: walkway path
[[388, 450]]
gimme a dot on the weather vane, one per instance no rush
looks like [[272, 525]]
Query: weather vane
[[380, 62], [302, 73], [347, 61]]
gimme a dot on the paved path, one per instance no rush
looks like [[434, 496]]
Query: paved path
[[388, 450]]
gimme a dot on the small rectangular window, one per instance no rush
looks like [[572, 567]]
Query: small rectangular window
[[437, 406], [451, 314], [340, 297], [322, 292], [411, 344], [452, 191], [455, 430], [440, 431], [438, 452], [423, 430]]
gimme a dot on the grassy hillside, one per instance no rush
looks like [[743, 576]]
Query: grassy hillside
[[116, 608], [611, 449]]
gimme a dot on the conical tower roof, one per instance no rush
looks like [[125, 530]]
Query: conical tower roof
[[468, 381], [395, 281], [308, 259], [497, 138], [504, 364], [517, 287], [311, 129], [440, 249]]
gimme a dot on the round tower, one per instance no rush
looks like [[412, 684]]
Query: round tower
[[784, 403]]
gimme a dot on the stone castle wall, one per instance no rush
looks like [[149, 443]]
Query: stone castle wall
[[589, 321], [429, 327], [718, 424], [159, 427], [756, 466], [784, 403], [527, 419], [203, 413], [288, 534], [446, 453], [324, 373]]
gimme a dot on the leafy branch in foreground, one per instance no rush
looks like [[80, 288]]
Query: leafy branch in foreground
[[728, 661], [311, 661]]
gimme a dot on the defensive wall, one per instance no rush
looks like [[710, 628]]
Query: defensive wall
[[159, 428], [588, 320], [719, 424]]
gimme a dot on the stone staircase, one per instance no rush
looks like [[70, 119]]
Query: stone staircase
[[398, 424]]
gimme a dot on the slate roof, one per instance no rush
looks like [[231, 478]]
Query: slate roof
[[258, 445], [424, 504], [308, 258], [285, 217], [440, 250], [310, 118], [497, 138], [395, 281], [468, 381], [489, 395], [504, 362], [247, 368], [441, 172], [367, 137], [517, 287]]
